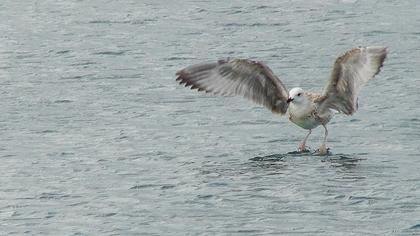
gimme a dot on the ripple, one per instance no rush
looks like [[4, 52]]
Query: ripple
[[48, 131], [63, 52], [86, 63], [343, 160], [254, 24], [112, 53], [145, 186], [417, 227], [176, 58], [54, 196], [109, 21], [76, 77], [205, 196], [63, 101], [107, 214]]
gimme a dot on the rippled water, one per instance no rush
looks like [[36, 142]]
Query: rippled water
[[98, 139]]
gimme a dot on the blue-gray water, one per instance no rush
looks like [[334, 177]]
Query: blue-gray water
[[97, 138]]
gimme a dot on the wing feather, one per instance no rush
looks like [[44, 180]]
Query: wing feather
[[350, 73], [250, 79]]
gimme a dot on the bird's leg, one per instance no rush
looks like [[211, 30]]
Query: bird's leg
[[323, 149], [302, 146]]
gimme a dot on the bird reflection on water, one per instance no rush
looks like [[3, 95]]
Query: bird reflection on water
[[337, 160]]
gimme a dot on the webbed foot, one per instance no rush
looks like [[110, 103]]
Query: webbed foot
[[323, 150], [302, 148]]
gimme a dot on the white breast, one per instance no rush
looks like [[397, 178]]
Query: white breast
[[303, 115]]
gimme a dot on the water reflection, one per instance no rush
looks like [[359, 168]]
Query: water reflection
[[270, 162], [270, 158], [346, 161]]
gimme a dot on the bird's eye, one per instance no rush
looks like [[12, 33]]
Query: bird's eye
[[299, 94]]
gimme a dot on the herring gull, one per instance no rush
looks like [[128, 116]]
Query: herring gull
[[256, 81]]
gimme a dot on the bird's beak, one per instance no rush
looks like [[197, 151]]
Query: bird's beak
[[289, 100]]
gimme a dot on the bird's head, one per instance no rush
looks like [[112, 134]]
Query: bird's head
[[296, 95]]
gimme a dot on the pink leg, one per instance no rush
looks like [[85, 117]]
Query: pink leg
[[302, 146], [323, 149]]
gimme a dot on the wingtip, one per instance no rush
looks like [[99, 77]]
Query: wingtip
[[182, 78], [380, 53], [383, 49], [180, 73]]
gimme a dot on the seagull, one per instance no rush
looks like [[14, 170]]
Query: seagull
[[256, 81]]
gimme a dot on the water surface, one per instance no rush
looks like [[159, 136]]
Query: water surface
[[98, 139]]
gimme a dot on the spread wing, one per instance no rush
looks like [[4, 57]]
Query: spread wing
[[351, 71], [250, 79]]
